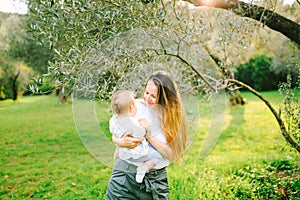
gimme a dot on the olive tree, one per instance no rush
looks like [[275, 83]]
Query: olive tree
[[14, 74], [72, 28]]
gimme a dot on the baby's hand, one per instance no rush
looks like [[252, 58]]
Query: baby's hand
[[144, 123]]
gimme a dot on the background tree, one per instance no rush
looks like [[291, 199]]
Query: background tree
[[22, 58], [262, 14], [75, 25], [13, 75]]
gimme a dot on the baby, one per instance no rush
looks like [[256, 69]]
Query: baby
[[125, 120]]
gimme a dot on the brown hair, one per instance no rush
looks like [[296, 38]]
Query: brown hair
[[172, 113]]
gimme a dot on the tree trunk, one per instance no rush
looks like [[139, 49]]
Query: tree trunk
[[235, 97], [62, 99], [15, 86], [269, 18]]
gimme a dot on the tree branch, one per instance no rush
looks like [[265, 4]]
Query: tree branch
[[193, 68], [165, 52], [269, 18]]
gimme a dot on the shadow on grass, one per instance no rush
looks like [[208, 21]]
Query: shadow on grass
[[237, 120]]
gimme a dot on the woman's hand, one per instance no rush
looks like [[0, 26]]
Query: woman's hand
[[127, 141]]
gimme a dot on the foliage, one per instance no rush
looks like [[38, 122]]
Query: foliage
[[21, 56], [256, 73], [34, 55], [77, 25], [255, 181], [276, 180], [39, 86], [19, 45], [13, 77], [259, 73], [290, 108]]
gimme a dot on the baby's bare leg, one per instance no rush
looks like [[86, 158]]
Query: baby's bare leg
[[143, 169]]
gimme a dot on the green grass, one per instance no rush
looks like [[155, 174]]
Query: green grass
[[42, 156]]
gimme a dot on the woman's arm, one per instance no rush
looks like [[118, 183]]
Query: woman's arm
[[164, 149], [126, 141]]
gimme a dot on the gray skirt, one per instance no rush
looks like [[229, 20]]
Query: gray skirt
[[123, 186]]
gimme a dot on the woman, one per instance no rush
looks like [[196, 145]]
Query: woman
[[168, 136]]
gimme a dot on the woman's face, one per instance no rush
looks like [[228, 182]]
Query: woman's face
[[150, 93]]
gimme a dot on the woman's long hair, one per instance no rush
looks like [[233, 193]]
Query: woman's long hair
[[172, 113]]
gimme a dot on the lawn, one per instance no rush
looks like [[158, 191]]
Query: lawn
[[44, 157]]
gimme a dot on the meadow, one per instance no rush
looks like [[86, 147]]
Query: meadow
[[43, 157]]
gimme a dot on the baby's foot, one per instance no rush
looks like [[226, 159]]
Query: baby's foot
[[140, 173]]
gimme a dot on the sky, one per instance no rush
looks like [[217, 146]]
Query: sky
[[18, 6], [13, 6]]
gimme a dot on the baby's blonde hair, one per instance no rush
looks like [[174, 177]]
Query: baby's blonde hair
[[122, 100]]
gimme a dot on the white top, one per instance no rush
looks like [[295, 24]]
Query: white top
[[142, 112], [119, 125]]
